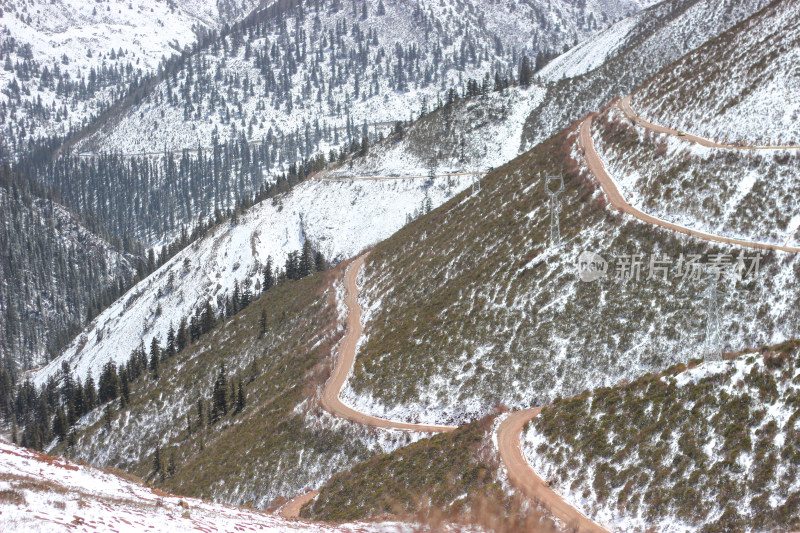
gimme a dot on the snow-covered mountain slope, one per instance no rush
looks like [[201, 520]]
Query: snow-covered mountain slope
[[49, 494], [47, 48], [617, 61], [468, 135], [740, 87], [339, 218], [751, 195], [713, 448], [331, 65], [53, 270], [467, 307], [591, 53]]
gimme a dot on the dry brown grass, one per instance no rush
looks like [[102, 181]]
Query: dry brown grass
[[11, 496]]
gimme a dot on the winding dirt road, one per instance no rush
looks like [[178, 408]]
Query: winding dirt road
[[509, 446], [616, 199], [330, 400], [625, 105], [525, 478]]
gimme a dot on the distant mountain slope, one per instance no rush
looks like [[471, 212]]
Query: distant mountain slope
[[328, 64], [467, 135], [292, 84], [739, 87], [64, 496], [713, 448], [63, 61], [615, 62], [53, 271], [467, 308]]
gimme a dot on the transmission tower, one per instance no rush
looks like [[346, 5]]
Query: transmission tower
[[713, 347], [554, 185]]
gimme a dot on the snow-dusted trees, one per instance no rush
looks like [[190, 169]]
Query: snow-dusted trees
[[108, 385]]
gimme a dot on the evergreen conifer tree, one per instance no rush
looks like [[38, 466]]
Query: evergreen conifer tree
[[155, 357], [219, 398], [240, 398]]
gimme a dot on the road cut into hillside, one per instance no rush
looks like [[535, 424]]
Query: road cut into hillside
[[520, 473], [325, 177], [625, 105], [291, 509], [618, 201]]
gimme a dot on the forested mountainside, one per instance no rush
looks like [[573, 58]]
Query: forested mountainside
[[737, 88], [713, 448], [616, 62], [152, 198], [55, 273], [333, 64], [64, 62], [292, 88], [483, 312]]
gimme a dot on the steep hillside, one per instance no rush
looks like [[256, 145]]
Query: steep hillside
[[67, 496], [745, 194], [712, 448], [54, 272], [338, 218], [467, 135], [740, 87], [64, 61], [482, 312], [616, 62], [268, 442]]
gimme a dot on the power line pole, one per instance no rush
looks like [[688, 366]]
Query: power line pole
[[554, 185]]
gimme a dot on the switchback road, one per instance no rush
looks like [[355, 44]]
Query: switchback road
[[618, 201]]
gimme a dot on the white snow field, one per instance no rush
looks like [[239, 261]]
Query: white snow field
[[339, 218], [39, 493]]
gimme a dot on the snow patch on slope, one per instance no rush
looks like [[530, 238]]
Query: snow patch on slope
[[49, 494], [590, 54]]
